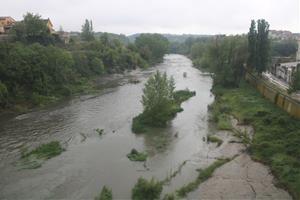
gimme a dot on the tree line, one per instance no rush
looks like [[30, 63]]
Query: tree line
[[35, 65]]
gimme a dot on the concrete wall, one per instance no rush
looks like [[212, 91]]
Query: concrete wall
[[283, 101]]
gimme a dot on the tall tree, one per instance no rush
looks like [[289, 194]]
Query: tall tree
[[252, 38], [87, 33], [259, 45], [263, 45]]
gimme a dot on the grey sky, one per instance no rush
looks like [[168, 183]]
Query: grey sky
[[163, 16]]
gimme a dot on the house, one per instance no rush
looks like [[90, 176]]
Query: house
[[285, 71], [49, 25], [6, 23]]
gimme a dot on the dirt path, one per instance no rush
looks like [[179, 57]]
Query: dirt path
[[241, 178]]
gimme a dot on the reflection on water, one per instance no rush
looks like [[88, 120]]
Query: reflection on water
[[92, 162]]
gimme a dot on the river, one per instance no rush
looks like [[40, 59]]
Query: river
[[92, 161]]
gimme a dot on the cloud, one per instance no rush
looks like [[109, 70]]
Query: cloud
[[168, 16]]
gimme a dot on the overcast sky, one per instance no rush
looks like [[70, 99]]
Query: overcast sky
[[162, 16]]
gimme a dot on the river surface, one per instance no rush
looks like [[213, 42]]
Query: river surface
[[92, 161]]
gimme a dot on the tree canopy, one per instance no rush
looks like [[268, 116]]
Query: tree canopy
[[152, 47], [258, 45], [32, 29], [87, 33]]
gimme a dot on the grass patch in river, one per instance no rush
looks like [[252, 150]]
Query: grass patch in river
[[146, 190], [204, 174], [174, 174], [106, 194], [35, 158], [277, 134], [214, 139], [134, 155]]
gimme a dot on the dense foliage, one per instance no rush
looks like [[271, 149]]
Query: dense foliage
[[31, 71], [259, 46], [224, 56], [295, 85], [33, 29], [87, 33], [284, 48], [152, 47], [36, 67], [146, 190]]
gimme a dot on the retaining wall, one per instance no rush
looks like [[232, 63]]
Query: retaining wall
[[284, 101]]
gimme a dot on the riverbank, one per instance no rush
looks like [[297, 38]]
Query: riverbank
[[89, 86], [277, 135]]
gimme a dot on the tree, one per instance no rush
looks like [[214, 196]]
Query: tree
[[152, 47], [146, 190], [263, 45], [32, 29], [87, 33], [3, 94], [252, 42], [157, 98], [295, 85], [259, 45]]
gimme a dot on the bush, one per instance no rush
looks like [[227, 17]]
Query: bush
[[105, 194], [46, 151], [134, 155], [160, 103], [146, 190]]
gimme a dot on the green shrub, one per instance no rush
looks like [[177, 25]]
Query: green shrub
[[46, 151], [105, 194], [134, 155], [146, 190]]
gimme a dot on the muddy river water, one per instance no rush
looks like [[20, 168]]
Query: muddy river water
[[92, 161]]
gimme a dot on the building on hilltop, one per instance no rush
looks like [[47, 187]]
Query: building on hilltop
[[49, 25], [281, 35], [6, 23]]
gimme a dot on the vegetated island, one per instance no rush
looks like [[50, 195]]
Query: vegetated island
[[160, 102], [35, 158]]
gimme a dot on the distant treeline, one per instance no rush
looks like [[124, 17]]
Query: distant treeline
[[36, 67]]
